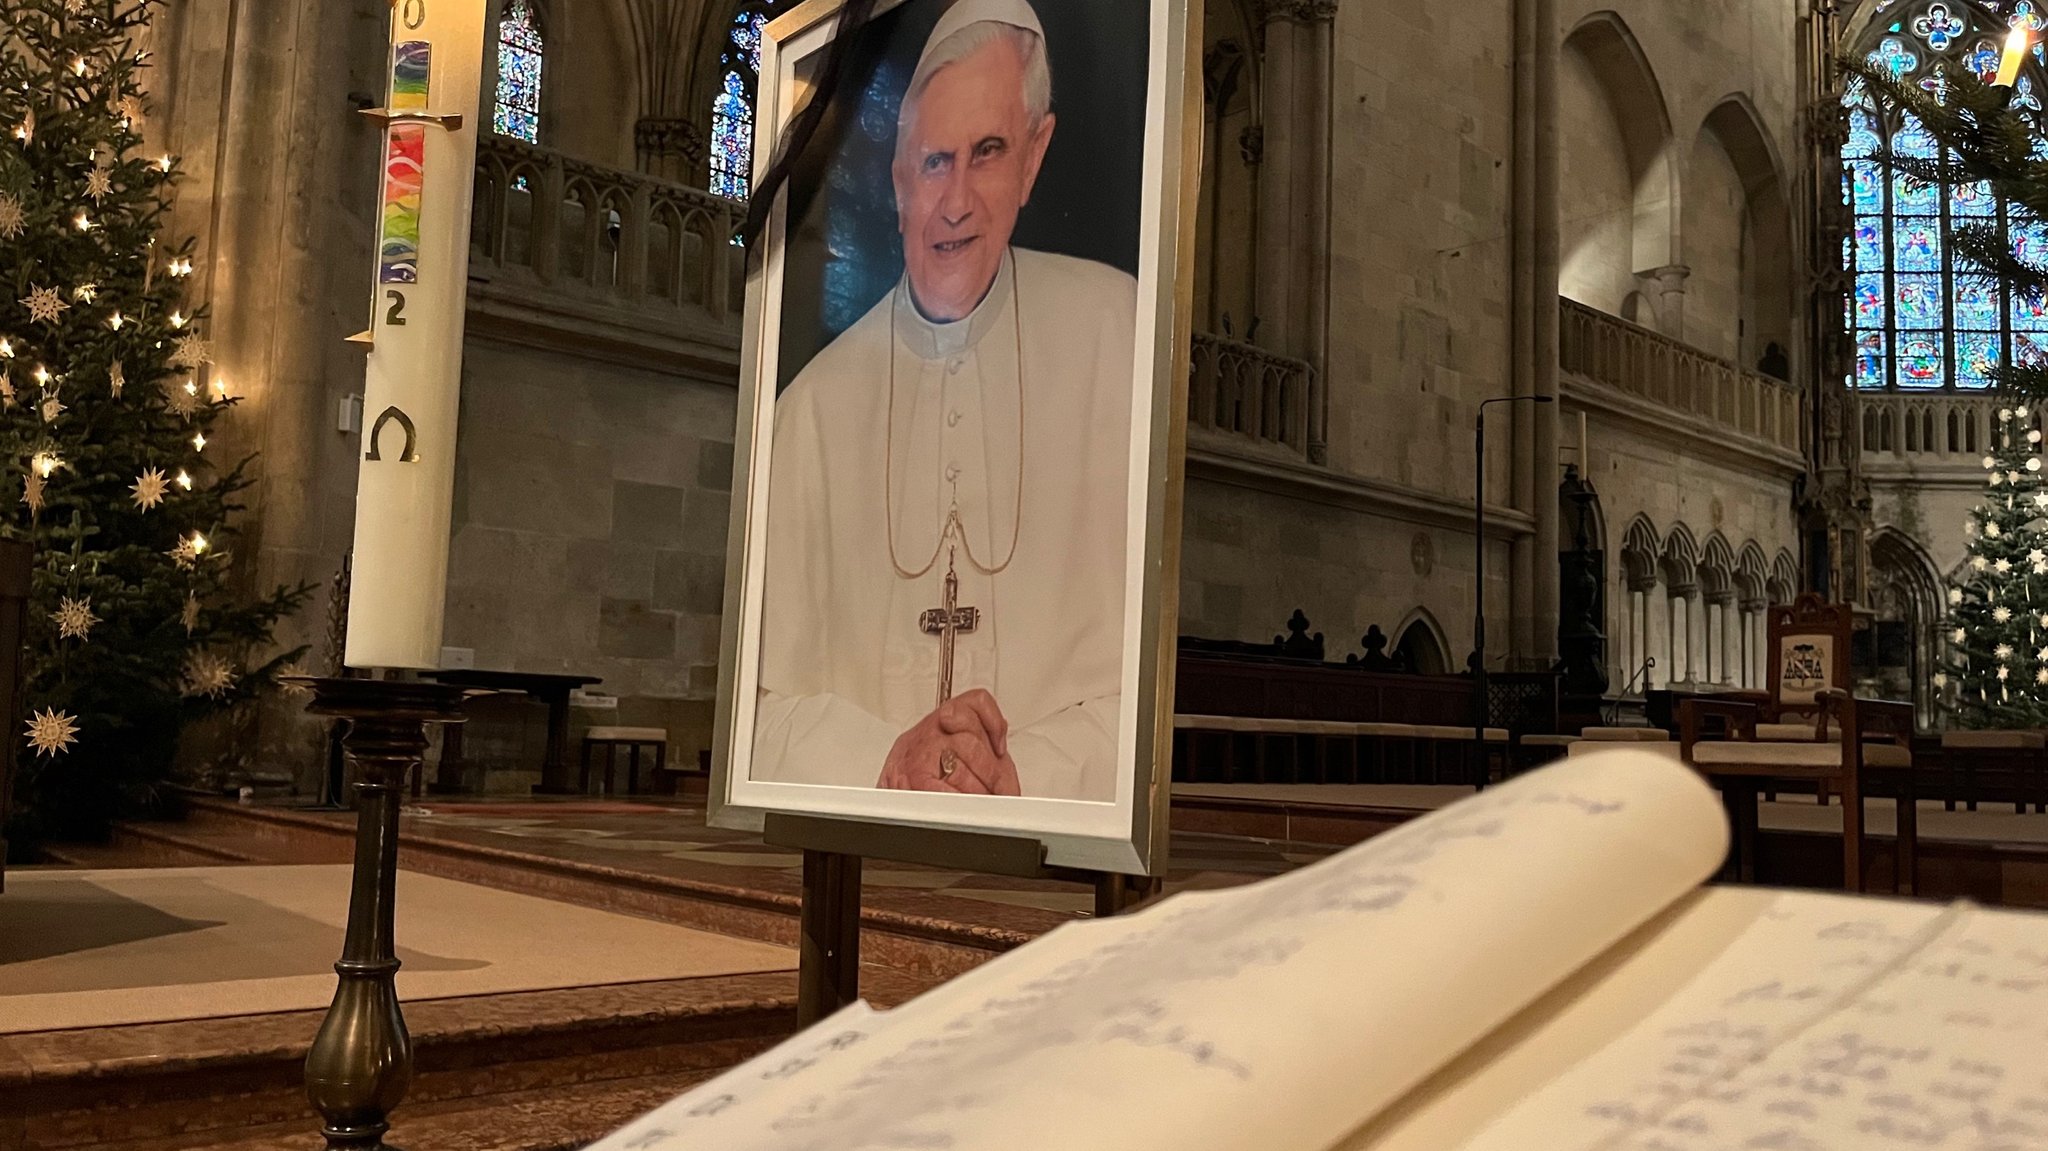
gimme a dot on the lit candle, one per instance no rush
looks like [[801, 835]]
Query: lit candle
[[2016, 45]]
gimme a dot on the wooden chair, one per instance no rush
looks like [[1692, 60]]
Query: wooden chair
[[1809, 728]]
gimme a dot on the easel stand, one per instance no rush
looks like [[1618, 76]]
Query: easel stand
[[828, 951]]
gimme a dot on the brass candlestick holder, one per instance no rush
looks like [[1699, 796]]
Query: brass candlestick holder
[[360, 1064]]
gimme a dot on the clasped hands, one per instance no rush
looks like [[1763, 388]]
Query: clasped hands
[[972, 728]]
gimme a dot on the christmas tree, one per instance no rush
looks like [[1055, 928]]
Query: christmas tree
[[106, 407], [1998, 616]]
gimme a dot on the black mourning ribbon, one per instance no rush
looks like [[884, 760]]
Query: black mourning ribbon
[[804, 126]]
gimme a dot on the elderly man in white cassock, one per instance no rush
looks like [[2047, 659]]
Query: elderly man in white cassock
[[946, 537]]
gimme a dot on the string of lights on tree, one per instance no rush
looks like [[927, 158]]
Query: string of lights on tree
[[1998, 613], [107, 406]]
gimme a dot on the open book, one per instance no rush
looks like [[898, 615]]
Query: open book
[[1532, 969]]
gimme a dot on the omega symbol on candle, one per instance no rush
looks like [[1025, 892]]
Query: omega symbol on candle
[[410, 455]]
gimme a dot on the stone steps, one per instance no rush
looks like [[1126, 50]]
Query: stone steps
[[551, 1119], [485, 1068], [922, 947]]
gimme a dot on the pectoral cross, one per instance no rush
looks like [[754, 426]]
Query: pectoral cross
[[949, 621]]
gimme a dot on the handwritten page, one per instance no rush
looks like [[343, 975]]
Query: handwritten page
[[689, 1120], [1948, 1050], [1715, 984], [1275, 1016]]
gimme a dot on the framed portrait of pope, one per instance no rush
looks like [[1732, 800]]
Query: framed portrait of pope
[[954, 549]]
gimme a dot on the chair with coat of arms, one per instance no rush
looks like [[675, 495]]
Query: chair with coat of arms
[[1809, 728]]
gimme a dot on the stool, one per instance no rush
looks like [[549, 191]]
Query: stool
[[630, 738]]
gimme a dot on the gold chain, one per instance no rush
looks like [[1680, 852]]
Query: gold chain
[[953, 512]]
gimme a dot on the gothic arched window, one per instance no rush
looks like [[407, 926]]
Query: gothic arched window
[[732, 108], [521, 52], [1918, 320]]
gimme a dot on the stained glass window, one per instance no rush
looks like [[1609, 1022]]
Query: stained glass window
[[1918, 320], [732, 108], [521, 53]]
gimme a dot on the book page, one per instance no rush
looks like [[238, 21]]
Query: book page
[[1713, 985], [1275, 1016], [688, 1120], [1945, 1051]]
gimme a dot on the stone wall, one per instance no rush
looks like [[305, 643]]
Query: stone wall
[[591, 506], [1250, 557]]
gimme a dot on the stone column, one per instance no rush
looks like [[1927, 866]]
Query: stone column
[[1291, 286], [1656, 637], [1533, 562], [1713, 658], [1675, 663], [1752, 643], [1278, 191], [1697, 637], [1731, 644], [280, 188], [1319, 114]]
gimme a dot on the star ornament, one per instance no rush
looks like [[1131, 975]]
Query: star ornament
[[297, 669], [99, 184], [189, 549], [190, 615], [191, 352], [181, 399], [12, 218], [149, 489], [45, 305], [208, 674], [52, 732], [117, 378], [74, 618], [32, 492], [52, 408]]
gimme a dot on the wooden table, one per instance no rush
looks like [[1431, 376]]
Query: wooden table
[[552, 690]]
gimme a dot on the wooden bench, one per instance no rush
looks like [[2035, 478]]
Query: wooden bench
[[611, 739]]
